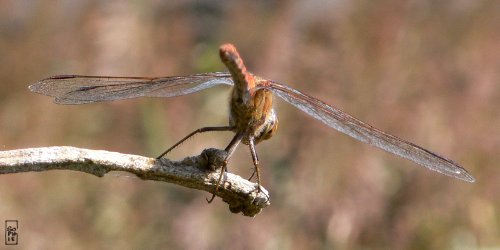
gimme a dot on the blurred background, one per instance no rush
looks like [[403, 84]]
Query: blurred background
[[427, 71]]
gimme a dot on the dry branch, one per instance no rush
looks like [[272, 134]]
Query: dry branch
[[191, 172]]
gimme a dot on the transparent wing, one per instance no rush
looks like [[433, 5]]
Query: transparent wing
[[359, 130], [75, 89]]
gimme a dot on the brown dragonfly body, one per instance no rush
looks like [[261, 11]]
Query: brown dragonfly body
[[251, 109], [252, 117]]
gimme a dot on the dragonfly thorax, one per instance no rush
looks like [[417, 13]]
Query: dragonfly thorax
[[255, 118]]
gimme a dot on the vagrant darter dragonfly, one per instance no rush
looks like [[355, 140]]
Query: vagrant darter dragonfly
[[252, 117]]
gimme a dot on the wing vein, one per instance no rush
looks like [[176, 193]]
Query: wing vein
[[341, 121]]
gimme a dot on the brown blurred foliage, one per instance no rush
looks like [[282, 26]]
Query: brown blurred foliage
[[427, 71]]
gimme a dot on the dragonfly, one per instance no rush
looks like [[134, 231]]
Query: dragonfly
[[252, 117]]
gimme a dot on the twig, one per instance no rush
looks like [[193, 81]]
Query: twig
[[191, 172]]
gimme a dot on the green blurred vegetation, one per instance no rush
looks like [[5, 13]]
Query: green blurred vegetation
[[427, 71]]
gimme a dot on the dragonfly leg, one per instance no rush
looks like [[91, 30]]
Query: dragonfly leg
[[251, 176], [230, 150], [200, 130], [255, 159]]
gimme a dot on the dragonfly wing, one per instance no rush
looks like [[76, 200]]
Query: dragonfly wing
[[359, 130], [75, 89]]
